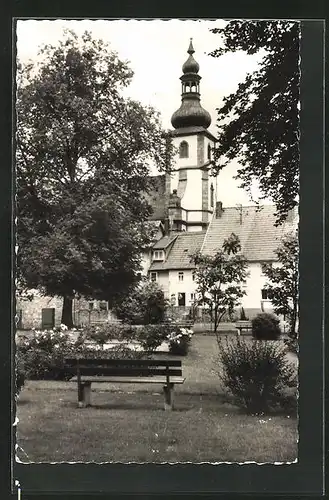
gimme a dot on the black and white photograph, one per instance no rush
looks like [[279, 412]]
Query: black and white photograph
[[157, 241]]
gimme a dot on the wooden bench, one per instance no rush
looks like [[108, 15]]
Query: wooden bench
[[243, 325], [135, 371], [182, 324]]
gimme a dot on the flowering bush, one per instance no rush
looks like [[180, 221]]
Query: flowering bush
[[179, 340], [43, 354]]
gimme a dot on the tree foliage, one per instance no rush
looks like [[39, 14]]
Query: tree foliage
[[219, 279], [82, 162], [259, 123], [283, 281]]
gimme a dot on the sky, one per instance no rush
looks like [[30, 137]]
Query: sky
[[156, 51]]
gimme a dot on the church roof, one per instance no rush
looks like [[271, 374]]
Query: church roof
[[254, 226], [156, 196]]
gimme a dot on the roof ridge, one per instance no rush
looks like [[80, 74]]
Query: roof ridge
[[249, 206]]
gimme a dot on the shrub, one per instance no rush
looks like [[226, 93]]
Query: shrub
[[179, 340], [243, 316], [152, 336], [20, 373], [43, 354], [292, 344], [266, 326], [145, 305], [257, 374]]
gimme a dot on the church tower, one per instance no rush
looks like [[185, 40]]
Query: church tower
[[191, 188]]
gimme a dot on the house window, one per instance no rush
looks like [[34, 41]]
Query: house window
[[192, 297], [91, 306], [266, 294], [183, 149], [158, 255], [173, 299], [193, 276], [209, 152], [181, 299], [180, 276], [103, 306], [154, 276]]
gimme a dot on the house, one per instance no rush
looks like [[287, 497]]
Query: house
[[171, 265]]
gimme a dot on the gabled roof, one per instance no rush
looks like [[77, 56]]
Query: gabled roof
[[254, 226], [156, 196], [259, 237], [179, 256], [164, 242]]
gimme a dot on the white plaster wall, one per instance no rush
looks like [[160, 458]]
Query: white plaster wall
[[187, 286], [162, 280], [192, 157], [254, 285], [192, 198], [194, 229], [194, 216]]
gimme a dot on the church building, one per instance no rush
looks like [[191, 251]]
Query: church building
[[188, 217], [185, 206]]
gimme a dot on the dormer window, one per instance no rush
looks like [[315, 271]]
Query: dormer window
[[158, 255], [183, 149]]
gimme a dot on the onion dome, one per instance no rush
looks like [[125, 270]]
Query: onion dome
[[191, 113], [191, 66]]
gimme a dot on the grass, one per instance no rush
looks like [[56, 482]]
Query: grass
[[127, 423]]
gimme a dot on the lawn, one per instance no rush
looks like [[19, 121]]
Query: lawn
[[127, 423]]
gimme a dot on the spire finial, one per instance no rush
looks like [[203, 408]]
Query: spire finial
[[191, 49]]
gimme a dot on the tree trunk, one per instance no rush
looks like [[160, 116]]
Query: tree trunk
[[67, 312], [293, 333]]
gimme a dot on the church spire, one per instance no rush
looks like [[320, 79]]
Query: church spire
[[191, 49], [190, 114]]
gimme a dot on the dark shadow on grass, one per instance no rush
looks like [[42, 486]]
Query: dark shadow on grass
[[130, 407]]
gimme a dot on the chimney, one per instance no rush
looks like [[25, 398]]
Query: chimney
[[219, 209]]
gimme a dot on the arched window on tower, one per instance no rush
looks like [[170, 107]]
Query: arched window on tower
[[209, 152], [183, 149]]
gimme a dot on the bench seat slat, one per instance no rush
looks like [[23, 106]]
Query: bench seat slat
[[133, 380]]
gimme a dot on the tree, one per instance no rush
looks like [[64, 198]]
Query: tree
[[283, 281], [258, 124], [145, 305], [218, 279], [82, 162]]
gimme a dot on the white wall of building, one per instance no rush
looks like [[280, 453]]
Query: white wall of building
[[186, 286], [251, 301], [192, 157]]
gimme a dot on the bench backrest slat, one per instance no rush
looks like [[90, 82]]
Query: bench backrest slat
[[122, 362], [124, 367], [126, 372]]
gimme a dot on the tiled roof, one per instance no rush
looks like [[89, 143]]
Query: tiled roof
[[179, 255], [156, 196], [164, 242], [259, 237]]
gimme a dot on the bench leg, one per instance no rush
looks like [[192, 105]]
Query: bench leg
[[168, 391], [84, 392]]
